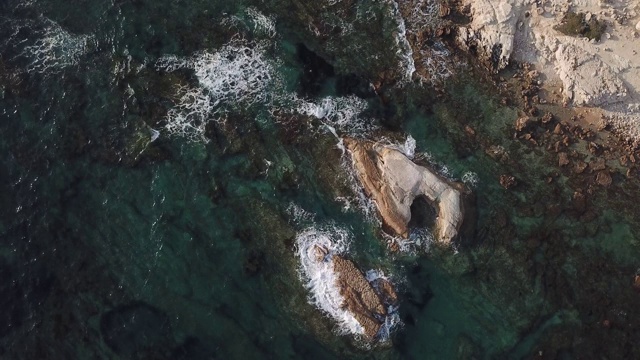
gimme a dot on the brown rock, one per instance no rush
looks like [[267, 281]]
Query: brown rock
[[580, 167], [547, 118], [507, 181], [624, 160], [359, 296], [497, 152], [523, 123], [558, 130], [636, 282], [597, 164], [469, 130], [445, 10], [603, 178], [563, 159], [594, 148]]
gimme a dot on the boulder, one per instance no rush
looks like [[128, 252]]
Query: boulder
[[360, 298], [393, 182], [507, 181]]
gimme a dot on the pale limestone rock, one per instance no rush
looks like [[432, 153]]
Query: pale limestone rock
[[492, 29], [587, 79], [393, 182]]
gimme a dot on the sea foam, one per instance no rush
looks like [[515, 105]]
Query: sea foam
[[319, 276], [237, 75], [54, 49]]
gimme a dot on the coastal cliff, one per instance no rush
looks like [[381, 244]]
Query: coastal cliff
[[588, 49]]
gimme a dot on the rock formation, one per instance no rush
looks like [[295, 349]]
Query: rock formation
[[601, 72], [393, 182], [360, 298]]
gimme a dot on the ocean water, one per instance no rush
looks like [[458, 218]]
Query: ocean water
[[166, 163]]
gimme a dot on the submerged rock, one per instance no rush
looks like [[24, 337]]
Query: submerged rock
[[393, 182]]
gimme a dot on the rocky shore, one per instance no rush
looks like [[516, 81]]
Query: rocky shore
[[586, 52]]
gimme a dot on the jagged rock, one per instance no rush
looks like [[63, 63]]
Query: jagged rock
[[523, 123], [563, 159], [507, 181], [603, 178], [597, 164], [580, 167], [558, 129], [360, 298], [393, 182], [491, 30]]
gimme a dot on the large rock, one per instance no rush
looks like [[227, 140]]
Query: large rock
[[393, 182], [587, 79], [360, 298], [492, 29]]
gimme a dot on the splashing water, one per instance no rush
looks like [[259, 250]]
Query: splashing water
[[319, 277], [55, 50], [262, 24], [237, 75], [337, 113], [470, 179], [404, 51]]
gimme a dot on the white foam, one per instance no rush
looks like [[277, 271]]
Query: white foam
[[237, 75], [404, 51], [408, 148], [55, 50], [319, 277], [470, 179], [437, 63], [262, 24], [337, 113]]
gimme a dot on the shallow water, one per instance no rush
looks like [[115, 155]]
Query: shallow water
[[121, 237]]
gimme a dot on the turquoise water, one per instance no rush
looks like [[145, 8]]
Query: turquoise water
[[120, 239]]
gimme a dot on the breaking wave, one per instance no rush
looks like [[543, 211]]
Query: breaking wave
[[315, 248], [53, 50], [404, 51], [238, 74]]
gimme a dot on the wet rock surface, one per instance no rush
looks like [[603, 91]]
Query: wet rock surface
[[360, 298]]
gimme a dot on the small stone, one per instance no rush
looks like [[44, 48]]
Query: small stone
[[604, 178], [558, 129], [638, 26], [507, 181], [624, 160], [636, 282], [563, 159], [597, 164], [522, 123], [580, 167], [469, 130]]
